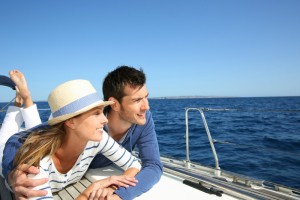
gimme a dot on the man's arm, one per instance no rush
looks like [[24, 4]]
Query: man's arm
[[17, 179], [150, 157]]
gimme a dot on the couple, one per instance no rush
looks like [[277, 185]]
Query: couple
[[130, 123]]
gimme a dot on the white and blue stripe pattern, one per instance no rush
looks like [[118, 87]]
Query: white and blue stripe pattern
[[77, 105], [108, 147]]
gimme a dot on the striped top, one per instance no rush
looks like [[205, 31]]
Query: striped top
[[57, 181]]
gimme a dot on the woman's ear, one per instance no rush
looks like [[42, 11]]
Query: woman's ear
[[70, 123], [116, 105]]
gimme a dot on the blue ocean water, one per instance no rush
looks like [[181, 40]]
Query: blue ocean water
[[257, 137]]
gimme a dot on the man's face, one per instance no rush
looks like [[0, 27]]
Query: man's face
[[134, 105]]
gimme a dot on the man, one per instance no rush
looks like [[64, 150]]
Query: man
[[130, 123]]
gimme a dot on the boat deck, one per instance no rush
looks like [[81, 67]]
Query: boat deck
[[179, 182], [72, 191], [169, 186]]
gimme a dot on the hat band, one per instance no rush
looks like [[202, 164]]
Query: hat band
[[77, 105]]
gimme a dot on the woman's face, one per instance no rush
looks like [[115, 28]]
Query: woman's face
[[89, 125]]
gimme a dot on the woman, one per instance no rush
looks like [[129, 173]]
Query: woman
[[64, 148]]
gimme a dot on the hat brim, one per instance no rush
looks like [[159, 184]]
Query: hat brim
[[62, 118]]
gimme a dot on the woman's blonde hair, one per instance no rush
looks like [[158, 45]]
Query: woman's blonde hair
[[38, 145]]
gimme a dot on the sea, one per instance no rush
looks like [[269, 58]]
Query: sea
[[258, 137]]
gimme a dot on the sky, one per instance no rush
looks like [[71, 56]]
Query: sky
[[232, 48]]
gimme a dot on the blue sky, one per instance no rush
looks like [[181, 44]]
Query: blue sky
[[208, 48]]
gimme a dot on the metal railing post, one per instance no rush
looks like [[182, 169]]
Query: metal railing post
[[217, 167], [187, 138]]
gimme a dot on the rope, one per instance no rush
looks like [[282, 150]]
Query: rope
[[2, 109], [248, 110]]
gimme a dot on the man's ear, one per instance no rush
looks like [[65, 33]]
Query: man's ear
[[116, 105]]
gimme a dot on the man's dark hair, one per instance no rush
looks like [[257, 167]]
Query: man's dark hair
[[116, 80]]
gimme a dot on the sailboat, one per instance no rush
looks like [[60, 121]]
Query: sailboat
[[183, 179]]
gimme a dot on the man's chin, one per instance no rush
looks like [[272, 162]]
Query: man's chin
[[141, 122]]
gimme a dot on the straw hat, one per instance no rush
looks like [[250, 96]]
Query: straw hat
[[73, 98]]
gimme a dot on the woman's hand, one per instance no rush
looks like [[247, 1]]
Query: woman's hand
[[99, 189], [101, 194], [120, 181]]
